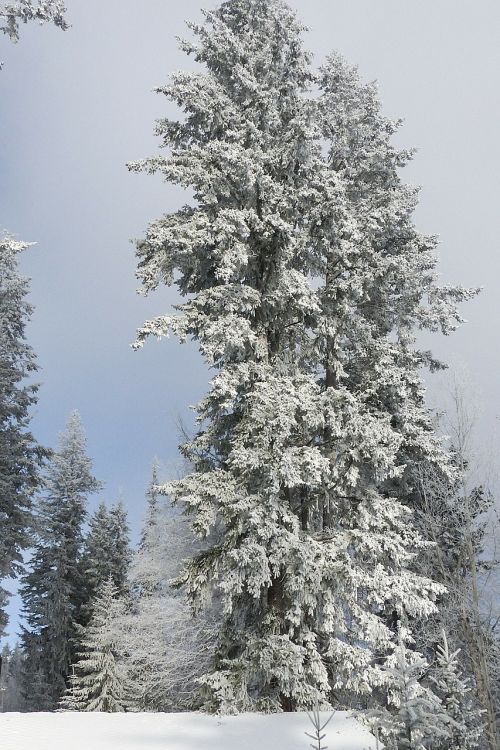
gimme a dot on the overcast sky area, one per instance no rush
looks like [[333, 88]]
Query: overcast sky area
[[77, 105]]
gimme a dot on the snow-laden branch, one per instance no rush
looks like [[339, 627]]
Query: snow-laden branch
[[43, 11]]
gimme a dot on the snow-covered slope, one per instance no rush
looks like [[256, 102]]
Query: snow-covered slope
[[99, 731]]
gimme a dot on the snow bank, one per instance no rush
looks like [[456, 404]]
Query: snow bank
[[188, 731]]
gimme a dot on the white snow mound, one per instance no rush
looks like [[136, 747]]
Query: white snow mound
[[183, 731]]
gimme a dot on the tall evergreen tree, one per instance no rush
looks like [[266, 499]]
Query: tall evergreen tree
[[99, 681], [20, 456], [53, 592], [305, 280]]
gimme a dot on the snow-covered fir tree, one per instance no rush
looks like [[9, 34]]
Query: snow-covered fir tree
[[305, 280], [107, 549], [167, 649], [54, 590], [99, 680], [20, 456], [22, 11]]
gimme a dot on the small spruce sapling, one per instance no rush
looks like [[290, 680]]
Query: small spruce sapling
[[319, 728]]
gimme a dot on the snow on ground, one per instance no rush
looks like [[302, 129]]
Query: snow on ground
[[188, 731]]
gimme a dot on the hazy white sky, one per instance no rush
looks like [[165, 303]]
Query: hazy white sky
[[76, 106]]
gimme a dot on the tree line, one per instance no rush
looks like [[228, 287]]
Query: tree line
[[104, 628]]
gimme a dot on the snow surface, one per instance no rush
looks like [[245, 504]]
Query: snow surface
[[186, 731]]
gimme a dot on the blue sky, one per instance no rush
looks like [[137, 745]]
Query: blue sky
[[76, 106]]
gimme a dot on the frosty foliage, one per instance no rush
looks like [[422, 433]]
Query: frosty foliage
[[20, 456], [166, 648], [304, 282], [99, 679], [167, 651], [22, 11]]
